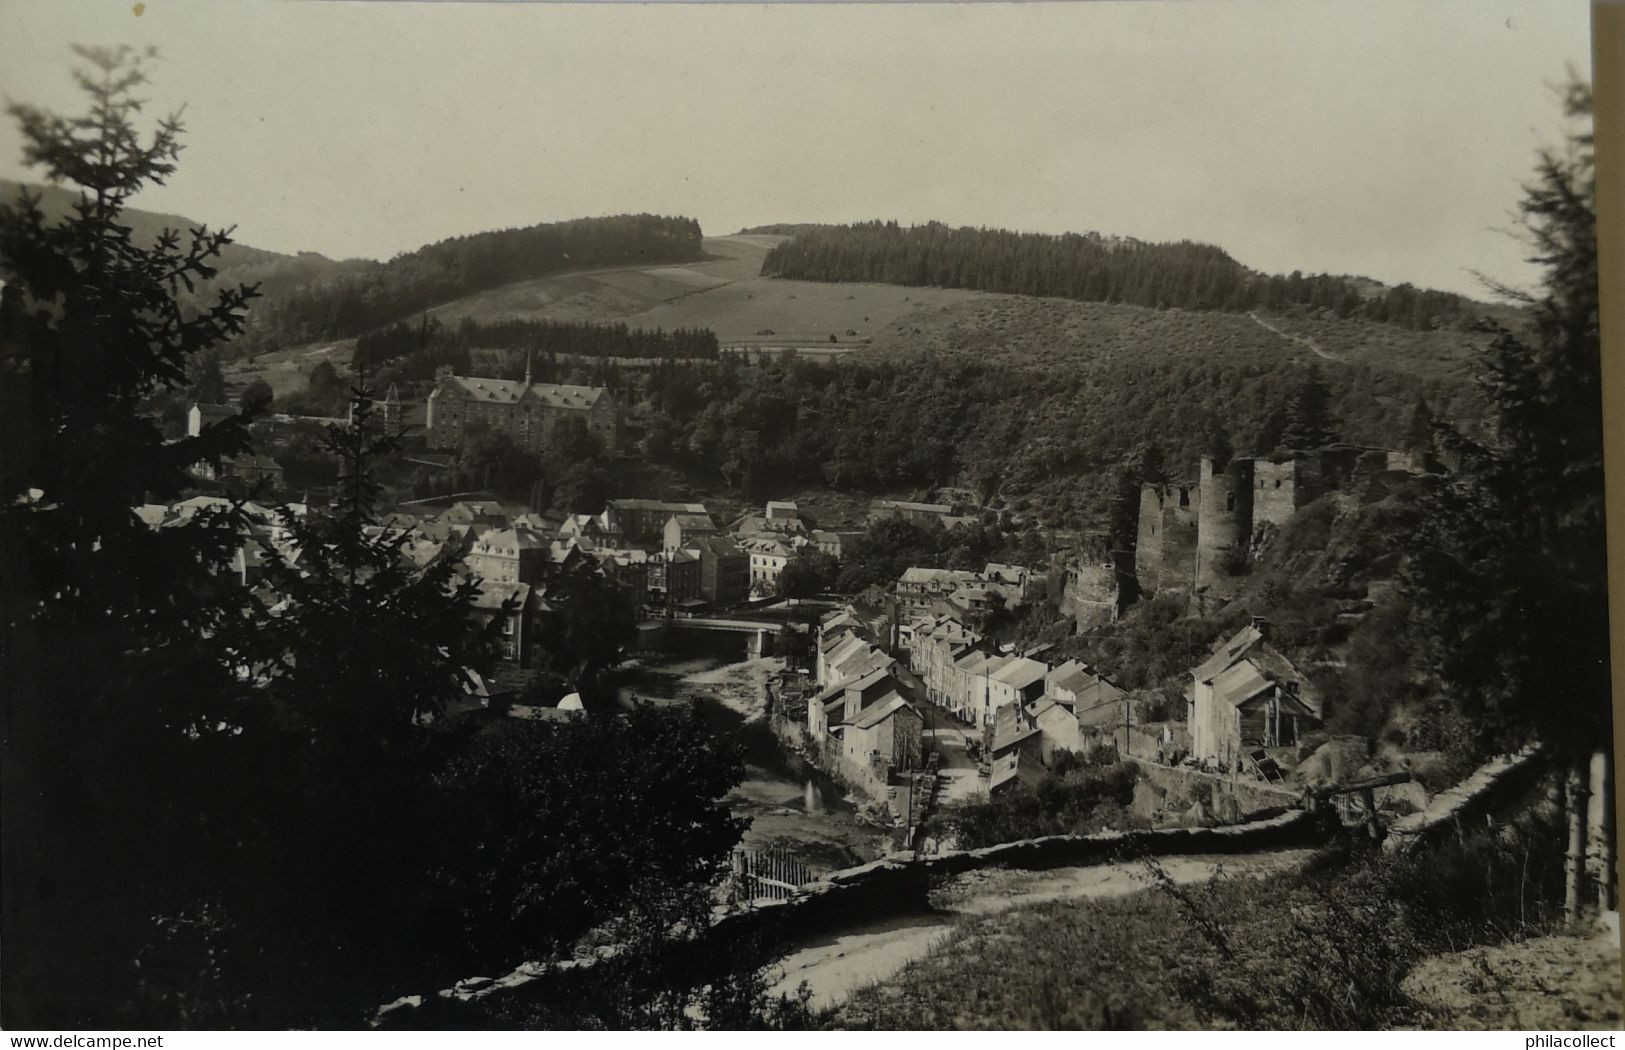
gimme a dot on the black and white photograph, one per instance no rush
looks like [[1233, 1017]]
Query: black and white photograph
[[624, 517]]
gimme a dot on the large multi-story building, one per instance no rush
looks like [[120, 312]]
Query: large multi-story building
[[525, 410], [724, 569], [681, 528], [644, 520], [768, 559], [509, 556]]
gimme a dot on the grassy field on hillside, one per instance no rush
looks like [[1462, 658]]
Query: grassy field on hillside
[[287, 371], [725, 293]]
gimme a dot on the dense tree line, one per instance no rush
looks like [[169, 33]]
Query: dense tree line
[[348, 303], [890, 546], [574, 338], [1043, 441], [1092, 268], [1510, 581]]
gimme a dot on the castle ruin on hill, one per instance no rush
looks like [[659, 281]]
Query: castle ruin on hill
[[1198, 535]]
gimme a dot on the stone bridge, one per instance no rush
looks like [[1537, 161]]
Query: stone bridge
[[653, 634]]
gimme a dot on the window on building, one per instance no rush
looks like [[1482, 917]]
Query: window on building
[[1184, 497]]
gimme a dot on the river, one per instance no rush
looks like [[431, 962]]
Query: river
[[792, 806]]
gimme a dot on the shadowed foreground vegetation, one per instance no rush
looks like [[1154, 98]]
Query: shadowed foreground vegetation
[[1328, 946]]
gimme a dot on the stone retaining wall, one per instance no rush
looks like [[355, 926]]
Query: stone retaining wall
[[892, 885], [1491, 786]]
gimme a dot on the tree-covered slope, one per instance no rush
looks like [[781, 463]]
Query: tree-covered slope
[[1093, 268], [381, 293]]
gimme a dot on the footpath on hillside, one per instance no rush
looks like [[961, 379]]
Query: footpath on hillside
[[1303, 341]]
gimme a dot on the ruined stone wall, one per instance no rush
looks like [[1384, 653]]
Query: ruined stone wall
[[1165, 542], [1275, 487], [1194, 534]]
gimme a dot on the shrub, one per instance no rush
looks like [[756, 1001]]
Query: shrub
[[1085, 798]]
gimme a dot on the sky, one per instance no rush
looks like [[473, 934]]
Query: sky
[[1380, 138]]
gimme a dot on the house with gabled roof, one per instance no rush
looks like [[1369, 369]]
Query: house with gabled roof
[[1247, 696], [833, 650], [1015, 683], [836, 621], [860, 661], [1065, 680], [919, 587], [518, 605], [769, 557], [841, 702], [1015, 754], [884, 737], [968, 686], [1057, 726], [834, 541], [487, 512], [682, 528], [583, 528]]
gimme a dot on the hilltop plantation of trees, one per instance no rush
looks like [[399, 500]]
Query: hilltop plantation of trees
[[1091, 268], [349, 303]]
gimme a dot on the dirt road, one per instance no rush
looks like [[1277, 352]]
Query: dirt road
[[840, 962]]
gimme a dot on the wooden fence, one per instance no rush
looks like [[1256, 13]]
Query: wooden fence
[[768, 874]]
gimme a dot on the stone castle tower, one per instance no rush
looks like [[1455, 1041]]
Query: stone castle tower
[[1224, 528]]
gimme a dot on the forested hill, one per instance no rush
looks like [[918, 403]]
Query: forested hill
[[1094, 268], [383, 293], [145, 226], [274, 273]]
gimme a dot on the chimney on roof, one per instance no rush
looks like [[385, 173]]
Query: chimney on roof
[[527, 369], [1261, 624]]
